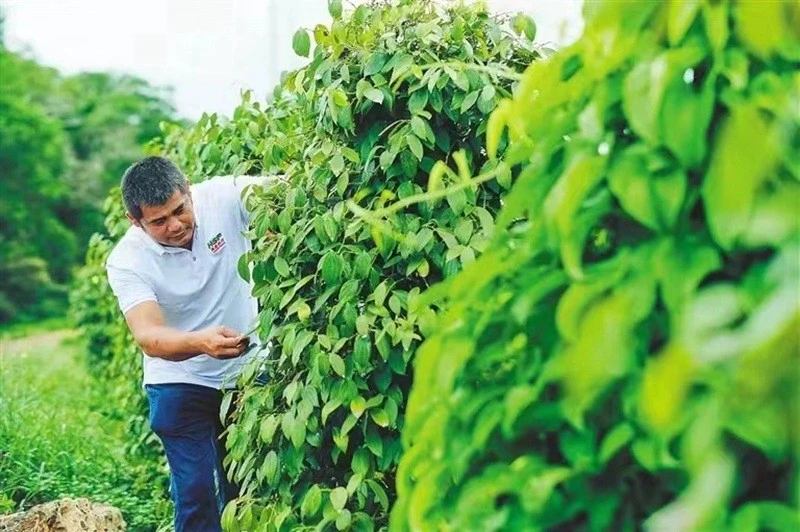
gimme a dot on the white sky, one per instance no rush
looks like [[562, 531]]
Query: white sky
[[207, 50]]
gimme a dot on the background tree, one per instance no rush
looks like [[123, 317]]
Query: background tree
[[64, 143]]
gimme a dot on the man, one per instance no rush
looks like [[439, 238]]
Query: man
[[174, 274]]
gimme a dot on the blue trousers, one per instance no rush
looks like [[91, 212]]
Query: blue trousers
[[186, 417]]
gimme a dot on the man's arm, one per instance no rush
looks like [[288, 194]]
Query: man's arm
[[158, 340]]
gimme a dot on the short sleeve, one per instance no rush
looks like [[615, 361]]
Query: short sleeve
[[129, 288]]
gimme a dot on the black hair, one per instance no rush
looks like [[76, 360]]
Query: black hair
[[151, 181]]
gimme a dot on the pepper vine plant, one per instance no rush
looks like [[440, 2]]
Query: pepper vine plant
[[624, 354], [391, 88]]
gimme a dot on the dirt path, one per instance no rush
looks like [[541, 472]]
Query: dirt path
[[36, 342]]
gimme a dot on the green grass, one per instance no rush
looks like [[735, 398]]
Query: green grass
[[20, 330], [55, 441]]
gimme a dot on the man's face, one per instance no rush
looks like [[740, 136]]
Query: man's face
[[170, 224]]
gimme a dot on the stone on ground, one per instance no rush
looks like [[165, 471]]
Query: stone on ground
[[65, 515]]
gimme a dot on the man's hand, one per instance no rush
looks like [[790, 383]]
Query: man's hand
[[222, 342], [146, 322]]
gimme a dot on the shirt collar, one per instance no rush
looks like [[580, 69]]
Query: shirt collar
[[161, 249]]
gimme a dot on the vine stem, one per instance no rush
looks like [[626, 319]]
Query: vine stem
[[425, 196], [495, 70]]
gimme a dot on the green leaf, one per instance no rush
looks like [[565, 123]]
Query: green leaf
[[340, 98], [268, 426], [362, 265], [361, 13], [418, 127], [523, 24], [469, 101], [357, 406], [391, 410], [361, 353], [416, 146], [680, 267], [374, 441], [348, 424], [417, 102], [653, 200], [362, 86], [270, 465], [578, 448], [337, 364], [408, 163], [680, 18], [642, 94], [743, 157], [228, 519], [766, 515], [225, 406], [463, 231], [375, 64], [563, 202], [375, 401], [342, 183], [301, 43], [331, 229], [402, 66], [337, 164], [495, 126], [354, 483], [615, 440], [343, 520], [424, 268], [362, 324], [715, 18], [380, 417], [457, 201], [335, 8], [282, 267], [763, 26], [351, 155], [298, 433], [338, 498], [303, 313], [374, 94], [460, 79], [243, 267], [685, 120], [331, 267], [311, 502], [488, 92], [329, 408], [651, 455], [321, 34], [360, 462], [379, 295], [380, 494]]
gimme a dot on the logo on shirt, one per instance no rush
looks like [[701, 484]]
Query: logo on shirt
[[216, 243]]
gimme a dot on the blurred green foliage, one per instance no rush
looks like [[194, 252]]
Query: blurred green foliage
[[64, 142], [625, 353]]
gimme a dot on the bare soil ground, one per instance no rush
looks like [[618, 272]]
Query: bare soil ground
[[37, 342]]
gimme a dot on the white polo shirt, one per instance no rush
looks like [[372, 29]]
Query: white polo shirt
[[195, 288]]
